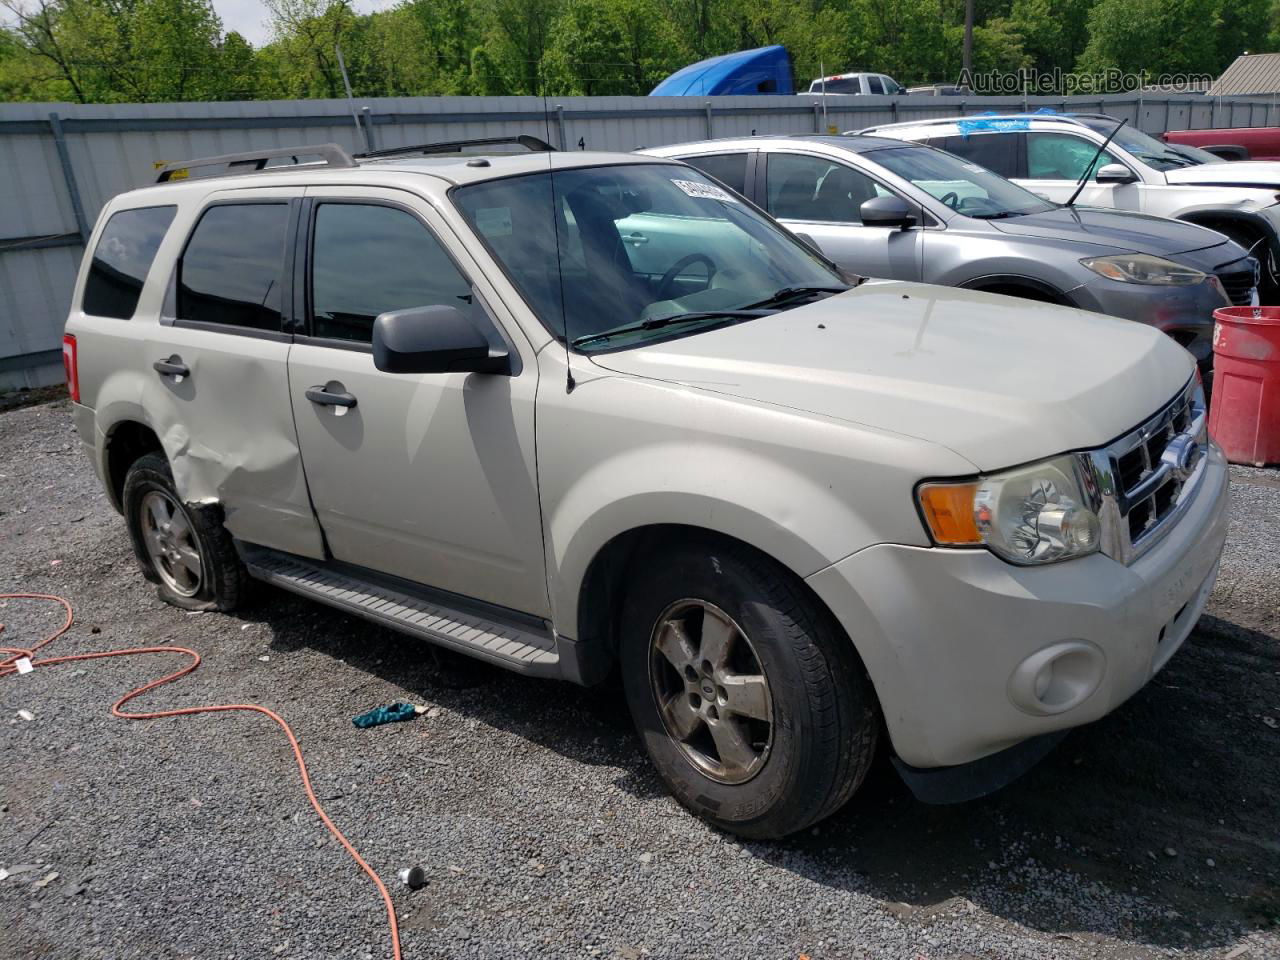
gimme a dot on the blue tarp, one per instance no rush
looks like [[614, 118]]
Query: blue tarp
[[761, 71]]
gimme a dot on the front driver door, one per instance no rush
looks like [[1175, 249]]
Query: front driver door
[[821, 198], [429, 477]]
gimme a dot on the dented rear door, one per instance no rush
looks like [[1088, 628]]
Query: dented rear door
[[217, 369]]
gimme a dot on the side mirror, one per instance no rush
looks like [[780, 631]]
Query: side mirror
[[437, 339], [1115, 173], [886, 212]]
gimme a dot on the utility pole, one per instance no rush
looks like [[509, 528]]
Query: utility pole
[[967, 56]]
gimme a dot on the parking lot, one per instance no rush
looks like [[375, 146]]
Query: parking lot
[[540, 824]]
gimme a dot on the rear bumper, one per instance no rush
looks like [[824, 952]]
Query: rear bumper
[[957, 642], [86, 425]]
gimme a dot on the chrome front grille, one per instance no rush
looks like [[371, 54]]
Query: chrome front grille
[[1143, 481]]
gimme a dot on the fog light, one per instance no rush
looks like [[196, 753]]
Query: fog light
[[1058, 678]]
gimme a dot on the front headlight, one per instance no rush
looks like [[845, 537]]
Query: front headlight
[[1144, 268], [1029, 515]]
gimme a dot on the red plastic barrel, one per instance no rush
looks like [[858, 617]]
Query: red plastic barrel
[[1244, 414]]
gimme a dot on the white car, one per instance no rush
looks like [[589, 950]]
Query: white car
[[854, 84], [1048, 153], [799, 513]]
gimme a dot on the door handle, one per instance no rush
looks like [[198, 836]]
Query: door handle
[[327, 398], [636, 238], [172, 367]]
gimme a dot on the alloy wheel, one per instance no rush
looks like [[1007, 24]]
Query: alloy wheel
[[711, 691], [171, 542]]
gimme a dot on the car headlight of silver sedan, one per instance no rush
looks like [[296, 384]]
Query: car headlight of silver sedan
[[1144, 268], [1028, 515]]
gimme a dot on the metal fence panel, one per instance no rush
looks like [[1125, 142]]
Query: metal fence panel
[[110, 148]]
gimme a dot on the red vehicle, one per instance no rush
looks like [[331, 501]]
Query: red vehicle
[[1232, 143]]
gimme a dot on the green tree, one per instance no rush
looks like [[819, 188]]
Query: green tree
[[1159, 36], [1054, 32]]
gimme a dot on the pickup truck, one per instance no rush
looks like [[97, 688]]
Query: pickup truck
[[1232, 143], [798, 514]]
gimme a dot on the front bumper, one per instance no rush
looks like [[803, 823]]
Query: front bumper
[[954, 639], [1184, 313]]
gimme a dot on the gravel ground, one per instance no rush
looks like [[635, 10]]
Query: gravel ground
[[543, 831]]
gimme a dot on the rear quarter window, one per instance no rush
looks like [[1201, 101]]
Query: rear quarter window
[[123, 257]]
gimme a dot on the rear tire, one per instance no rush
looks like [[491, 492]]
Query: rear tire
[[750, 700], [182, 548]]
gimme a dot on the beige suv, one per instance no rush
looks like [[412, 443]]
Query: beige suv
[[798, 512]]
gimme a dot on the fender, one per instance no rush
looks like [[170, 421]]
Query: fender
[[1052, 294]]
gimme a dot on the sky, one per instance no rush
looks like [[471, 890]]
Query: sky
[[249, 17]]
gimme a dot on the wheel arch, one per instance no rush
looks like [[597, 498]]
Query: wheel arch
[[1017, 285], [603, 586], [1243, 227], [125, 441]]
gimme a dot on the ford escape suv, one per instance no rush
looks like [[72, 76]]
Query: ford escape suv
[[799, 513]]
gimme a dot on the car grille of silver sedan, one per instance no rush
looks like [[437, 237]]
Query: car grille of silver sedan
[[1239, 281]]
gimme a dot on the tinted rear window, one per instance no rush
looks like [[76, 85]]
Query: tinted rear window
[[729, 168], [231, 270], [122, 259], [998, 152]]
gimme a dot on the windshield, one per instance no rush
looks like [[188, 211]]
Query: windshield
[[1146, 148], [610, 247], [964, 186]]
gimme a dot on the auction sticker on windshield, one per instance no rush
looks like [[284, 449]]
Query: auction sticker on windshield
[[708, 191]]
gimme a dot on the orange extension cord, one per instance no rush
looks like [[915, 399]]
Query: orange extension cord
[[8, 665]]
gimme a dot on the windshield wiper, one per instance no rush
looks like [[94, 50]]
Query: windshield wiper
[[657, 323], [787, 294], [1002, 215], [1084, 177]]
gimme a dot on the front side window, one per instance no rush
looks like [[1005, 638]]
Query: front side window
[[965, 187], [1061, 156], [122, 259], [729, 168], [802, 187], [368, 259], [1142, 145], [230, 273], [638, 246]]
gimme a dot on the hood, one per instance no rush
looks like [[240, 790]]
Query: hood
[[997, 380], [1263, 174], [1127, 232]]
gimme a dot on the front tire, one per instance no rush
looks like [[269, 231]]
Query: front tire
[[750, 700], [182, 548]]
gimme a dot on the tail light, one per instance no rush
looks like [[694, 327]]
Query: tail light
[[70, 365]]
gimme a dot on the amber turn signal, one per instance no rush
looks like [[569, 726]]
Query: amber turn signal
[[948, 510]]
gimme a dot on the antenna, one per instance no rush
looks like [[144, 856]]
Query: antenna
[[351, 101], [569, 382]]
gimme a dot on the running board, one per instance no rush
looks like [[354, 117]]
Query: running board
[[515, 641]]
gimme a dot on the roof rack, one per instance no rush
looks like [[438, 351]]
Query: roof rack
[[254, 161], [532, 144], [1014, 115]]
